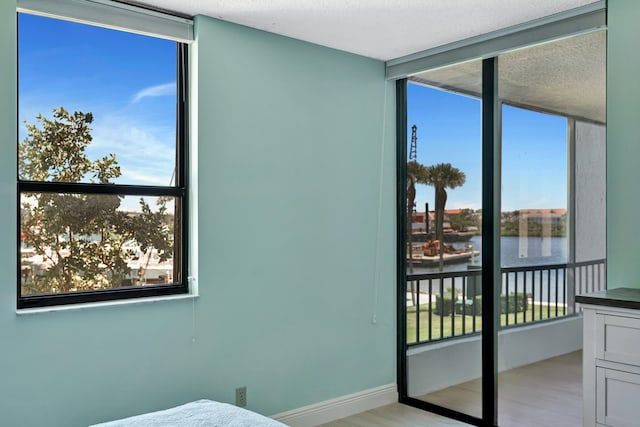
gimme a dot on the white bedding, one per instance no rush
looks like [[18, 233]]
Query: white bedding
[[201, 413]]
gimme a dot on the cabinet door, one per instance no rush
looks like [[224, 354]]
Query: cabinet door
[[617, 397], [618, 339]]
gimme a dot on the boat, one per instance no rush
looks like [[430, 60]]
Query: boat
[[420, 260], [448, 236], [428, 254]]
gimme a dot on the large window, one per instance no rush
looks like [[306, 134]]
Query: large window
[[101, 163]]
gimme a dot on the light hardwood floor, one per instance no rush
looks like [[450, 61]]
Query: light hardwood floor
[[543, 394], [394, 415]]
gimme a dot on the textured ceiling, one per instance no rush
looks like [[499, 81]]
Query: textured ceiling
[[566, 77], [381, 29]]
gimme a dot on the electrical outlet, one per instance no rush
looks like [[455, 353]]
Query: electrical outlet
[[241, 397]]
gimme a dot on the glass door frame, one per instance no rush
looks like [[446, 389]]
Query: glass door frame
[[490, 253], [581, 20]]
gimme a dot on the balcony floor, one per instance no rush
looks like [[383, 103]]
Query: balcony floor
[[547, 393]]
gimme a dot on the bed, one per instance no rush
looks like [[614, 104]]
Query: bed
[[201, 413]]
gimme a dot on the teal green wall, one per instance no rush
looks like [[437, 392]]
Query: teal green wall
[[289, 184], [294, 259], [623, 144]]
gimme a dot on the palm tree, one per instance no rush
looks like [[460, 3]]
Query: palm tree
[[416, 174], [443, 176]]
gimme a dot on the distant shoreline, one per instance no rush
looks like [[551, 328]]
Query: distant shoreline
[[535, 234], [453, 237]]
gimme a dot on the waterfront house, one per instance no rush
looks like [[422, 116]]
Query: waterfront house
[[543, 216]]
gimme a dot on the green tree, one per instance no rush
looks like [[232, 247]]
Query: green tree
[[441, 177], [80, 237], [416, 174], [466, 218]]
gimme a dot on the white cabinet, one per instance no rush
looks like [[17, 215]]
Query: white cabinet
[[617, 394], [611, 366]]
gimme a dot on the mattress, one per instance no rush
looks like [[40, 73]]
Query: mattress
[[201, 413]]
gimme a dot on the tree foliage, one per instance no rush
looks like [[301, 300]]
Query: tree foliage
[[466, 218], [441, 177], [416, 174], [83, 240]]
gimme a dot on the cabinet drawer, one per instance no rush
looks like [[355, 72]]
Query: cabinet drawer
[[617, 397], [618, 339]]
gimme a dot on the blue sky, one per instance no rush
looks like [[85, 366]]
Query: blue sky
[[533, 150], [126, 80]]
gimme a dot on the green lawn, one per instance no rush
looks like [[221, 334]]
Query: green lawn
[[446, 331]]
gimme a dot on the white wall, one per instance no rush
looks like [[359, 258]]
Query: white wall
[[591, 191]]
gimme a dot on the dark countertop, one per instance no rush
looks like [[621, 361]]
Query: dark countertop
[[619, 297]]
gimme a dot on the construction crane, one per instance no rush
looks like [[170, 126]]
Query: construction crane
[[413, 151], [413, 155]]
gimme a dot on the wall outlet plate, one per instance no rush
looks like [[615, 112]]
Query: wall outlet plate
[[241, 397]]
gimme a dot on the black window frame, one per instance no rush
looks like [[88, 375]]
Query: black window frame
[[179, 191]]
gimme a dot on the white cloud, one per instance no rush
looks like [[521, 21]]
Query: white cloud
[[158, 90], [145, 153]]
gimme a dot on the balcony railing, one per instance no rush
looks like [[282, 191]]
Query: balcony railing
[[447, 305]]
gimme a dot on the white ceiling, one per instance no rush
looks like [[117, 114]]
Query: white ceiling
[[381, 29]]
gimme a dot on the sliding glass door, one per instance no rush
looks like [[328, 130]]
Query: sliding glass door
[[502, 201], [552, 103], [443, 237]]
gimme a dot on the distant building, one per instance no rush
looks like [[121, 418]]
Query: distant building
[[419, 223], [543, 216]]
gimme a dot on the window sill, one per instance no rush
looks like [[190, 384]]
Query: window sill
[[101, 304]]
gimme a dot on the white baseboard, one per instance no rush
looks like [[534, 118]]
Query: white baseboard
[[334, 409]]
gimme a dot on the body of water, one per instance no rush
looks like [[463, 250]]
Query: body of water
[[514, 252]]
